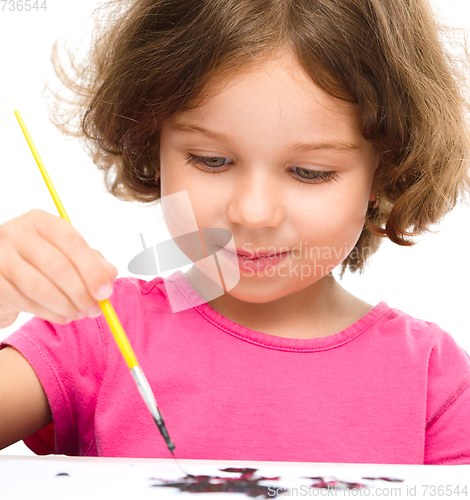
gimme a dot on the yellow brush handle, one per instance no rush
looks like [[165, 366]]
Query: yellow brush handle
[[42, 168], [119, 334], [110, 314]]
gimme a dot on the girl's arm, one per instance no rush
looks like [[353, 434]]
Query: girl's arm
[[49, 270], [23, 402]]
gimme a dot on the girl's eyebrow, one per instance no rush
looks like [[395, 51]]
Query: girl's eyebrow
[[339, 145]]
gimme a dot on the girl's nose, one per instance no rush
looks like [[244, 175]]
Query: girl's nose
[[257, 201]]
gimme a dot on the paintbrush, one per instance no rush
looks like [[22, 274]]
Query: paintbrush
[[113, 321]]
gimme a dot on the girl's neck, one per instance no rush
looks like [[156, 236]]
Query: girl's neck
[[320, 310]]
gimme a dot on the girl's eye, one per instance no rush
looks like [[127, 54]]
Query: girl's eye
[[307, 176], [207, 161], [315, 176]]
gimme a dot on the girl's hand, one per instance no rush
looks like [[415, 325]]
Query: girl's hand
[[48, 269]]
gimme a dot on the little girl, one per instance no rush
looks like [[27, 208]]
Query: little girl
[[310, 130]]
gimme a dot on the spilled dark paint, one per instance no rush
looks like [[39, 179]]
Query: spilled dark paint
[[344, 485], [247, 482], [394, 480]]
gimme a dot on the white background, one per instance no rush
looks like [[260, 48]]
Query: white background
[[428, 281]]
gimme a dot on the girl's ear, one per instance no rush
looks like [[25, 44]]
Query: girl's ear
[[377, 173], [374, 195], [374, 200]]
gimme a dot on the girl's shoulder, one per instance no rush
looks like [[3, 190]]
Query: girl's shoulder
[[419, 337], [139, 286], [167, 294], [390, 323], [130, 289]]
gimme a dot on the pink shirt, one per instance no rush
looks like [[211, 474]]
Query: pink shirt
[[390, 389]]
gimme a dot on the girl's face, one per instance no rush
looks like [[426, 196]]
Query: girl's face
[[280, 164]]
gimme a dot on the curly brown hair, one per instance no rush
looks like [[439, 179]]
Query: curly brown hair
[[152, 58]]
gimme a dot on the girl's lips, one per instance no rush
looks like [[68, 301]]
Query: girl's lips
[[259, 256], [254, 254], [259, 264]]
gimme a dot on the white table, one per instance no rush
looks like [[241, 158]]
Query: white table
[[90, 478]]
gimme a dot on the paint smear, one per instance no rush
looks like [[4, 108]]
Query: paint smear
[[247, 483]]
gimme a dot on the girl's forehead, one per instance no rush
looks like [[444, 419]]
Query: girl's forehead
[[279, 81]]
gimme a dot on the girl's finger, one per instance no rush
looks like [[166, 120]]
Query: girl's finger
[[7, 315], [18, 302], [112, 270], [67, 239], [44, 276]]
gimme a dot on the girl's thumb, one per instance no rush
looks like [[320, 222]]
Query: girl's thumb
[[112, 270]]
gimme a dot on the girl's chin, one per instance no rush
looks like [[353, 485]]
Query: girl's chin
[[260, 291], [253, 287]]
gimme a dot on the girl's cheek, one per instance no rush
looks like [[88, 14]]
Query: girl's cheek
[[342, 221]]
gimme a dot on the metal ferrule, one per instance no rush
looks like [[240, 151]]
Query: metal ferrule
[[146, 392], [147, 395]]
